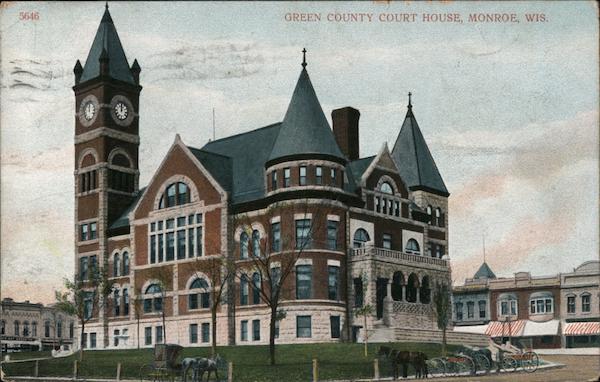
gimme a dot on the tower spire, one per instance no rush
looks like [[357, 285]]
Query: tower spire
[[304, 58], [409, 100], [106, 5]]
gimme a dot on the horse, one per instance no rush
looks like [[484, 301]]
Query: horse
[[208, 365], [402, 357], [186, 365]]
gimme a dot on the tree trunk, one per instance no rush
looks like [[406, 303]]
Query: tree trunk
[[138, 331], [81, 343], [366, 337], [444, 342], [272, 334], [163, 323], [214, 331]]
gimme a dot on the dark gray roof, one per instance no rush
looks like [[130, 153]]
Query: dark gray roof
[[413, 159], [248, 153], [359, 166], [484, 272], [218, 165], [107, 39], [305, 129], [123, 220]]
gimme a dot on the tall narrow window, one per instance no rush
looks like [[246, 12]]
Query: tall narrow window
[[333, 282], [182, 193], [243, 291], [116, 263], [159, 334], [255, 330], [244, 240], [438, 217], [303, 175], [244, 330], [83, 268], [332, 233], [333, 176], [148, 335], [274, 180], [387, 241], [303, 282], [482, 308], [276, 237], [303, 234], [358, 292], [181, 244], [319, 175], [585, 303], [334, 322], [125, 302], [152, 249], [205, 332], [458, 309], [170, 238], [470, 309], [286, 177], [255, 243], [83, 232], [430, 214], [125, 263], [117, 302], [275, 278], [571, 304], [256, 284], [93, 231], [193, 333]]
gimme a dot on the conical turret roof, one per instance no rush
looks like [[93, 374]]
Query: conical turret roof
[[107, 40], [484, 272], [305, 129], [413, 158]]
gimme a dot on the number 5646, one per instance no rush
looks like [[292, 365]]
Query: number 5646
[[29, 16]]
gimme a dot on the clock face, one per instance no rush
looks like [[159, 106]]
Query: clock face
[[89, 110], [121, 111]]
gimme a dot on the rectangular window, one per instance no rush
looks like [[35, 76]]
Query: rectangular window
[[303, 327], [170, 224], [244, 291], [277, 328], [159, 334], [83, 268], [333, 282], [148, 335], [199, 241], [318, 175], [85, 337], [181, 244], [88, 307], [504, 308], [244, 331], [148, 305], [125, 302], [193, 333], [513, 307], [205, 332], [571, 304], [303, 234], [549, 305], [387, 241], [92, 340], [83, 229], [191, 243], [286, 177], [93, 231], [585, 303], [458, 307], [333, 174], [276, 237], [274, 180], [181, 221], [170, 246], [116, 333], [275, 277], [205, 300], [160, 247], [358, 292], [470, 309], [303, 175], [334, 322], [332, 233], [303, 282], [255, 330], [482, 308], [158, 304], [152, 249], [193, 301]]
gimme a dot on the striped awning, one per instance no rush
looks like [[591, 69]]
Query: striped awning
[[505, 329], [582, 328]]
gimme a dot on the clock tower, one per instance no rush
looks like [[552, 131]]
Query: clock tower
[[107, 142]]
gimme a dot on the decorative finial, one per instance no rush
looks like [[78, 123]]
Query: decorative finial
[[106, 4], [304, 58], [409, 100]]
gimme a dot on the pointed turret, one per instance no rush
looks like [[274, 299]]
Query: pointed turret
[[77, 71], [305, 129], [107, 40], [484, 272], [135, 71], [415, 163]]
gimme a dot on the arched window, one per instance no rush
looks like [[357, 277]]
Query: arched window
[[412, 246], [200, 299], [397, 282], [361, 237], [116, 265], [244, 245], [411, 288], [176, 194], [256, 243], [256, 288], [26, 329], [17, 329], [117, 302], [425, 290], [125, 263], [386, 188], [153, 303]]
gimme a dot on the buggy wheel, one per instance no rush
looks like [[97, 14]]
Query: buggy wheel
[[147, 373], [530, 361], [482, 364], [436, 367], [509, 364]]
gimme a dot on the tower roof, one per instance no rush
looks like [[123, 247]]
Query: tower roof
[[305, 129], [484, 272], [107, 40], [415, 163]]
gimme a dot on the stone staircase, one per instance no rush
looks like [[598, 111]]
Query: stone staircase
[[380, 333]]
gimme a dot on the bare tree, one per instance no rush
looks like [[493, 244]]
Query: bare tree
[[274, 259], [443, 310], [164, 278], [365, 311], [82, 298]]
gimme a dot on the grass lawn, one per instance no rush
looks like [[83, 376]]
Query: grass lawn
[[251, 363]]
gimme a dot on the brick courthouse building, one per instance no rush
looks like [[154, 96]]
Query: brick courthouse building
[[377, 227]]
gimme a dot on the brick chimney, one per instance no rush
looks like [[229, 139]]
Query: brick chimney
[[345, 129]]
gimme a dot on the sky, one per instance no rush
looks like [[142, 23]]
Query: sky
[[509, 111]]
